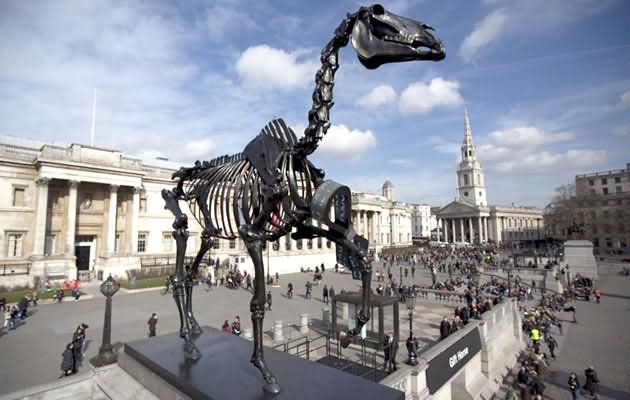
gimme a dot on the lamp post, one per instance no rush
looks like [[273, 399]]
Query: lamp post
[[106, 353], [410, 301]]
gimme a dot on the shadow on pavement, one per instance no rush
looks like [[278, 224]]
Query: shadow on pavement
[[561, 379]]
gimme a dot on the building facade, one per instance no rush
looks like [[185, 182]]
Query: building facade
[[81, 210], [423, 222], [384, 221], [599, 212], [470, 219]]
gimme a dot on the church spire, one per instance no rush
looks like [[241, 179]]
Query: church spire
[[468, 148], [470, 181], [467, 131]]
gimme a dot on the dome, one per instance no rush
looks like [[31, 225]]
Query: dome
[[388, 184]]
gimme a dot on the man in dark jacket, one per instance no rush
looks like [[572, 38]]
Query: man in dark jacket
[[269, 300], [445, 328], [390, 347], [67, 361], [551, 344], [152, 324], [591, 380], [325, 294]]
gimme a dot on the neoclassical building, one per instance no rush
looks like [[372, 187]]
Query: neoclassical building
[[80, 210], [384, 221], [470, 219]]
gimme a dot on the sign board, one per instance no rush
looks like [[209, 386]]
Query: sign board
[[445, 365]]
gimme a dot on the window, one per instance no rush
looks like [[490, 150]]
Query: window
[[479, 194], [309, 244], [275, 246], [605, 190], [18, 197], [142, 242], [618, 189], [319, 243], [617, 179], [287, 243], [14, 245], [604, 181], [117, 243], [328, 244], [167, 242], [216, 243], [232, 243], [465, 179], [591, 182], [49, 245], [466, 194], [143, 205]]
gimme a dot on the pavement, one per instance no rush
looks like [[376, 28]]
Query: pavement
[[600, 338], [31, 354]]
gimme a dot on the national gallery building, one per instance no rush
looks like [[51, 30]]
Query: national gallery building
[[470, 219], [79, 211]]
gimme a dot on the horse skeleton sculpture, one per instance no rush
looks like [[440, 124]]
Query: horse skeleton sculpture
[[272, 189]]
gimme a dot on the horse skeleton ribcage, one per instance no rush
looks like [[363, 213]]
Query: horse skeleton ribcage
[[223, 197]]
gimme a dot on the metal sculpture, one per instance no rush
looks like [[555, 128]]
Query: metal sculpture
[[272, 189]]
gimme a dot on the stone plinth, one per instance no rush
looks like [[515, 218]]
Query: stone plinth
[[578, 255], [224, 372]]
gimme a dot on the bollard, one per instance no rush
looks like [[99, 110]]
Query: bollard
[[326, 315], [304, 324], [248, 333], [277, 331]]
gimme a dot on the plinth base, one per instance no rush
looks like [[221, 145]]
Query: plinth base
[[224, 372]]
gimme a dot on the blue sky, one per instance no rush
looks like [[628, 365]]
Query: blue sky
[[546, 82]]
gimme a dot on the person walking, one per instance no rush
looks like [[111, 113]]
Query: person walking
[[574, 385], [390, 347], [226, 327], [309, 287], [598, 295], [551, 344], [236, 326], [290, 290], [325, 294], [592, 381], [535, 337], [152, 324], [269, 300], [67, 360], [77, 354]]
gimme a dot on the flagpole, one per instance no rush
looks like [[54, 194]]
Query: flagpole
[[93, 118]]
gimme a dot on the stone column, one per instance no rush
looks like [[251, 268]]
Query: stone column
[[470, 231], [135, 216], [479, 237], [485, 227], [39, 237], [454, 232], [111, 220], [445, 224], [461, 229], [71, 220]]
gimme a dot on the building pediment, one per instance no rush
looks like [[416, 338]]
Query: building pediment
[[457, 208]]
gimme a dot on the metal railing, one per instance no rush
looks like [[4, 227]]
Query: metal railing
[[15, 269]]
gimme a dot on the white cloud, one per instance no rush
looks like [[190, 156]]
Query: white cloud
[[624, 101], [443, 146], [342, 143], [380, 95], [224, 18], [527, 136], [545, 161], [484, 33], [622, 130], [267, 68], [421, 97], [404, 162], [199, 148]]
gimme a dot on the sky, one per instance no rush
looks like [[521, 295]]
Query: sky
[[546, 83]]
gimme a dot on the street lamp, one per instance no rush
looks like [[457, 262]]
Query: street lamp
[[410, 301], [106, 353]]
